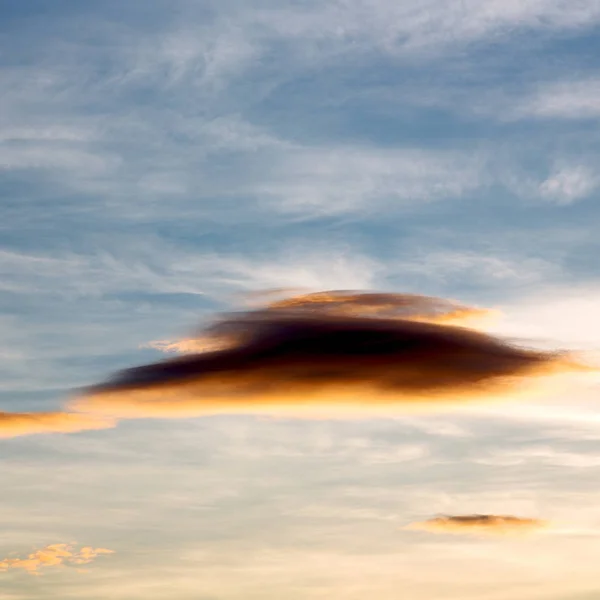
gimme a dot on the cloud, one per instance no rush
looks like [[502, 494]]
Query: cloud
[[571, 99], [53, 555], [140, 268], [79, 152], [472, 267], [418, 308], [568, 184], [186, 346], [335, 180], [17, 424], [566, 181], [140, 155], [401, 306], [544, 455], [480, 524], [304, 353], [394, 28]]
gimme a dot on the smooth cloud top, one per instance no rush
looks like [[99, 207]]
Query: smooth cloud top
[[341, 303], [394, 306], [480, 524], [16, 424], [320, 352], [54, 555]]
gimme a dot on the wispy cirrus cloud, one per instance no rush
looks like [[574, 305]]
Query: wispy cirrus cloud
[[128, 161], [210, 49], [563, 99], [327, 181], [155, 266], [500, 267], [403, 29]]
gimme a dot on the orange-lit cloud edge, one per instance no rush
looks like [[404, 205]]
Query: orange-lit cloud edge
[[53, 555], [17, 424], [427, 309]]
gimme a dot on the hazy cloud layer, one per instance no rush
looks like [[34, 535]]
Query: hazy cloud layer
[[320, 351]]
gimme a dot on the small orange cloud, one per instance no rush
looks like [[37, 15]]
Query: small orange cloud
[[480, 524], [16, 424], [54, 555]]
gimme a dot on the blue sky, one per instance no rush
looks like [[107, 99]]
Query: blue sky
[[161, 160]]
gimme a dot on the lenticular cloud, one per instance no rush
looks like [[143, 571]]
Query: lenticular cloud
[[334, 351]]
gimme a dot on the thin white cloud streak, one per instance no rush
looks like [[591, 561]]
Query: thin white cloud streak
[[211, 58], [54, 157], [569, 178], [62, 133], [156, 267], [450, 268], [579, 421], [567, 99], [568, 184], [336, 180], [207, 55], [289, 177], [233, 40], [545, 98], [539, 454], [339, 268], [401, 28]]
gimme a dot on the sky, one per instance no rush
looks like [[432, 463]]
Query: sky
[[162, 162]]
